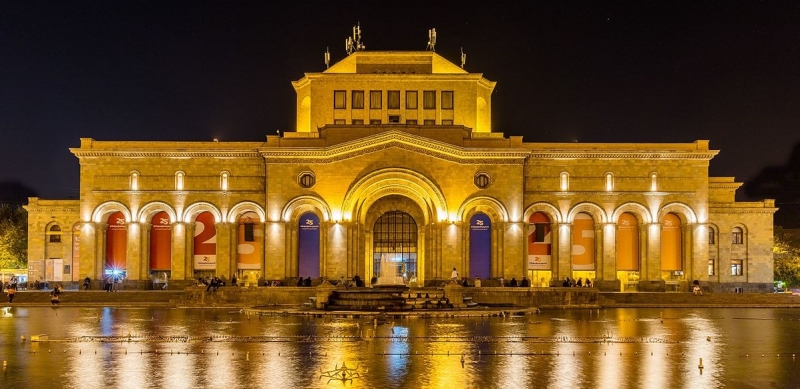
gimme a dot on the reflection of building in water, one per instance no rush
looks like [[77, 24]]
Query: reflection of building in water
[[394, 155]]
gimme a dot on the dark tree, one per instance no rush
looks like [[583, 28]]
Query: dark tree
[[13, 192], [13, 237], [781, 183]]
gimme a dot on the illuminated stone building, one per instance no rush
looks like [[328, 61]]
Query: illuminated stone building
[[394, 162]]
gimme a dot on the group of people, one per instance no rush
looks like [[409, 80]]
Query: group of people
[[304, 281], [111, 285], [211, 284], [356, 282], [11, 288], [580, 283]]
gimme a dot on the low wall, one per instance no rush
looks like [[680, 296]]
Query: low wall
[[234, 296], [534, 297]]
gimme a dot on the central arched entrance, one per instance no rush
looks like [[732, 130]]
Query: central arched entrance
[[394, 244]]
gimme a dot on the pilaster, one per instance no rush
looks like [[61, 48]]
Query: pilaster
[[653, 258]]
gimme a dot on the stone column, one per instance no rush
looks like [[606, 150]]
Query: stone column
[[145, 250], [643, 250], [599, 245], [686, 252], [100, 250], [555, 236], [564, 251], [88, 251], [653, 252], [699, 263], [188, 258], [609, 262], [178, 262], [223, 248], [133, 260], [291, 243]]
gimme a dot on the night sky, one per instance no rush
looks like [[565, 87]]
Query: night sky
[[641, 71]]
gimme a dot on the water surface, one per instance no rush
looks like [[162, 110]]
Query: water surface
[[200, 348]]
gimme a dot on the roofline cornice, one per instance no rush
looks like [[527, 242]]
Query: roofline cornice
[[81, 153], [611, 154], [398, 139]]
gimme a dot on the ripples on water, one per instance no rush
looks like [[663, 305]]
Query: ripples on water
[[201, 348]]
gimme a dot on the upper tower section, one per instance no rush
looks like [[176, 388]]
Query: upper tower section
[[386, 87]]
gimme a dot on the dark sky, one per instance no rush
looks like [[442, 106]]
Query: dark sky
[[641, 71]]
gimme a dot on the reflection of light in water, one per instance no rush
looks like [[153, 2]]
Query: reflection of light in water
[[697, 330], [398, 363]]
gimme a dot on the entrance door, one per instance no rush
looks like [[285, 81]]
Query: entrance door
[[394, 237]]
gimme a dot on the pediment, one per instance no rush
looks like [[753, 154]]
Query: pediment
[[399, 140]]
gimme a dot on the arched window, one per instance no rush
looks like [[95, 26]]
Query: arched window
[[223, 180], [134, 180], [671, 244], [179, 175], [564, 180], [609, 182], [54, 234], [627, 243], [737, 236], [712, 236]]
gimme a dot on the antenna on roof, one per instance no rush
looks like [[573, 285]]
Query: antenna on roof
[[463, 58], [328, 58], [431, 40], [353, 44]]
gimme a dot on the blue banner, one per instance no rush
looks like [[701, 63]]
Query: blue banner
[[308, 246], [480, 246]]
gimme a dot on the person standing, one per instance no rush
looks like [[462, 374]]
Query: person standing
[[454, 275], [502, 282], [477, 282], [11, 292]]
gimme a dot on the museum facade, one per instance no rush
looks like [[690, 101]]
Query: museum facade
[[394, 167]]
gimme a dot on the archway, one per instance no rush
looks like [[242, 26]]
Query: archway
[[205, 245], [540, 249], [394, 244]]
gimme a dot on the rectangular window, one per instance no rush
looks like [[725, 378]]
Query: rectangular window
[[447, 99], [429, 122], [711, 267], [447, 122], [412, 121], [358, 99], [411, 99], [711, 237], [375, 99], [249, 232], [67, 269], [393, 99], [339, 99], [374, 121], [736, 267], [429, 99], [358, 121], [394, 118], [736, 237], [55, 238], [339, 121]]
